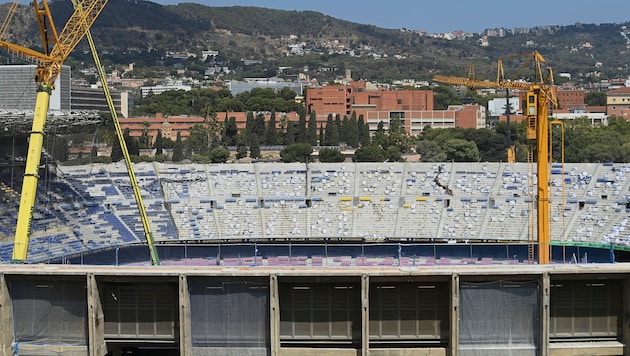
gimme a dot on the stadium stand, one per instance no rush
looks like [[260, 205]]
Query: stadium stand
[[83, 209]]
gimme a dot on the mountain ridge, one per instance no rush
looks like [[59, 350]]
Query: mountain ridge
[[245, 32]]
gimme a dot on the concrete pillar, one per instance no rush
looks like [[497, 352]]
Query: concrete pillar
[[6, 318], [545, 314], [454, 327], [96, 319], [365, 315], [185, 338], [274, 317]]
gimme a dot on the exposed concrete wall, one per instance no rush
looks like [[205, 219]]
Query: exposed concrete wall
[[6, 318], [454, 340], [365, 315], [96, 319], [545, 288], [185, 338], [274, 318]]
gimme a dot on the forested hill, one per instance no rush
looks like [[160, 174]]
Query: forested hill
[[597, 50]]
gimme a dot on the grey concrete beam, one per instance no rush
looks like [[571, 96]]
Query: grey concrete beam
[[274, 317], [96, 319], [365, 315], [185, 338], [454, 327], [6, 318]]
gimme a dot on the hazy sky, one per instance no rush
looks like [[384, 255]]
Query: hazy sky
[[449, 15]]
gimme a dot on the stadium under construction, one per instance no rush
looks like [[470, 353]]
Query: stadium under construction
[[318, 258]]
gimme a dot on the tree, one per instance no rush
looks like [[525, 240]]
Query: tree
[[301, 129], [254, 146], [343, 130], [352, 131], [595, 98], [328, 133], [364, 131], [158, 145], [219, 155], [322, 135], [335, 136], [430, 151], [330, 155], [197, 141], [370, 153], [132, 144], [241, 146], [271, 138], [297, 152], [231, 131], [311, 131], [145, 140], [460, 150], [178, 149], [289, 136]]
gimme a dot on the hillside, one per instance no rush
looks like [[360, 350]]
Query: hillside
[[143, 32]]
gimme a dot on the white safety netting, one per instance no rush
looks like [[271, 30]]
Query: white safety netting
[[229, 318], [50, 317]]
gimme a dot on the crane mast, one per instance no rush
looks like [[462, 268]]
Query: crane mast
[[48, 69], [540, 94]]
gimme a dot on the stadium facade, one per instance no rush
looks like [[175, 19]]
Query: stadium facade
[[430, 310]]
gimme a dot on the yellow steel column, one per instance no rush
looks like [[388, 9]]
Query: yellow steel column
[[31, 176], [542, 162]]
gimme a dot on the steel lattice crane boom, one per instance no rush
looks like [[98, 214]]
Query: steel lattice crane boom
[[48, 68], [540, 94]]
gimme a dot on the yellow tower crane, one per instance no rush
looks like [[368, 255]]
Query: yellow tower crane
[[540, 94], [48, 67]]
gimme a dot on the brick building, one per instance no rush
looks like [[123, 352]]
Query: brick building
[[357, 97], [570, 101], [413, 107]]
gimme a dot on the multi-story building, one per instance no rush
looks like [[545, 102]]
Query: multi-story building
[[618, 103], [18, 90], [93, 99], [414, 121], [570, 101], [413, 107], [358, 97]]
